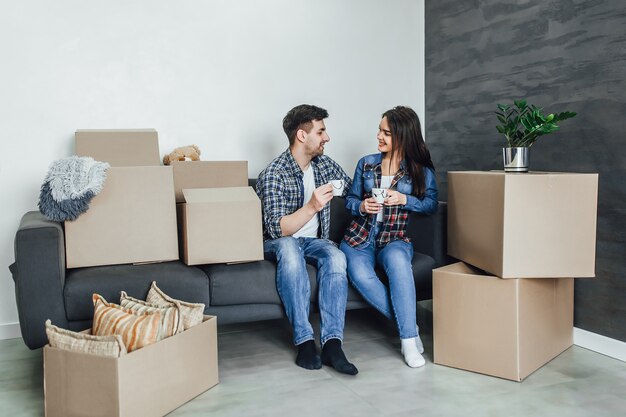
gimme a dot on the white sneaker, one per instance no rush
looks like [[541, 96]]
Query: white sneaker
[[412, 357]]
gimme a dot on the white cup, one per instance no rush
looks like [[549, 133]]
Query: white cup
[[379, 194], [337, 187]]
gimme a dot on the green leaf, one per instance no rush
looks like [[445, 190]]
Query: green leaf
[[566, 115]]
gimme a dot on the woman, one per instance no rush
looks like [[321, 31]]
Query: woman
[[376, 235]]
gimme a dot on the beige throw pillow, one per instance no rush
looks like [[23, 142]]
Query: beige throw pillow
[[136, 329], [193, 313], [111, 345], [171, 317]]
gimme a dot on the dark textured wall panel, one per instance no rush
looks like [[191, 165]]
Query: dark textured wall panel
[[560, 55]]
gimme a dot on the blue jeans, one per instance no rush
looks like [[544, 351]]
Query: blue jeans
[[292, 281], [396, 301]]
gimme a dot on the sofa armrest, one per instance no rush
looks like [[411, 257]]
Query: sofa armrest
[[39, 275], [429, 234]]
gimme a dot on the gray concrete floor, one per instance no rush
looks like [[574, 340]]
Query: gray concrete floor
[[258, 377]]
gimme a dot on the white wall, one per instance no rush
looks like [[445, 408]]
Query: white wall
[[220, 74]]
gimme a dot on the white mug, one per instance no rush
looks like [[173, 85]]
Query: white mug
[[379, 194], [337, 187]]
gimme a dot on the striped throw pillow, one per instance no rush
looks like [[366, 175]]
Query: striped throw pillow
[[192, 312], [111, 346], [171, 318], [136, 329]]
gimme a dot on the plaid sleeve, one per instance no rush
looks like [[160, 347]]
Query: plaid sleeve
[[270, 191]]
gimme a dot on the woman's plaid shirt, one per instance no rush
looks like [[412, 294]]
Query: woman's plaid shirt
[[395, 218], [281, 190]]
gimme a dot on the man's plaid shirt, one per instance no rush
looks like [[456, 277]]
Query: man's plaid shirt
[[367, 176], [281, 190]]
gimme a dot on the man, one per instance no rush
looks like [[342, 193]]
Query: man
[[295, 193]]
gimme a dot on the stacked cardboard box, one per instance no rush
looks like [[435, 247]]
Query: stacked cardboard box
[[219, 225], [134, 218], [219, 216], [499, 320]]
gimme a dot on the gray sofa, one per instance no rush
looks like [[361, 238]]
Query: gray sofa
[[45, 289]]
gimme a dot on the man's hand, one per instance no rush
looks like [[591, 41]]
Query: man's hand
[[370, 206], [395, 198], [321, 196]]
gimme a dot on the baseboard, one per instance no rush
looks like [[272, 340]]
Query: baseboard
[[601, 344], [10, 331], [583, 338]]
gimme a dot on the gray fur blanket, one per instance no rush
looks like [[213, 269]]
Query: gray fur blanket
[[69, 186]]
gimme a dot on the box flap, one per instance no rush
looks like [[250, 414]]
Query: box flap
[[219, 195], [208, 174]]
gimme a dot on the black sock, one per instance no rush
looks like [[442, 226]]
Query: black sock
[[307, 356], [332, 355]]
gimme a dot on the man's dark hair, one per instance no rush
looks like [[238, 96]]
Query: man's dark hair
[[301, 117]]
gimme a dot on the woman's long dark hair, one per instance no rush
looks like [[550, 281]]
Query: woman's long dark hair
[[408, 142]]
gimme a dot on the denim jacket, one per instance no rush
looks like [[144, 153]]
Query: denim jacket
[[395, 218]]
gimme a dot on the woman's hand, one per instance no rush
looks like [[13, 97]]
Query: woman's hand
[[395, 198], [370, 206]]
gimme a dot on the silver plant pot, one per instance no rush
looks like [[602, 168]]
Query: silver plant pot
[[516, 159]]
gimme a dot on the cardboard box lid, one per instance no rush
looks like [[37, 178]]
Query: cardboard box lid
[[219, 195], [119, 147], [132, 220], [208, 174]]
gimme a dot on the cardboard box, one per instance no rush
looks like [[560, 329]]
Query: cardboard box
[[220, 225], [151, 381], [120, 148], [502, 327], [208, 174], [132, 220], [533, 225]]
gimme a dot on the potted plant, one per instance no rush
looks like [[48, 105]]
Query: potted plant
[[522, 125]]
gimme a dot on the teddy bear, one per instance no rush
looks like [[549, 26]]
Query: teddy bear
[[184, 153]]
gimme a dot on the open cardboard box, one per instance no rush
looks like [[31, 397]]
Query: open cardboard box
[[220, 225], [151, 381]]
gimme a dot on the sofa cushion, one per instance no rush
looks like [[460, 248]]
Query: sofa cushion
[[246, 283], [255, 282], [423, 266], [175, 278]]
